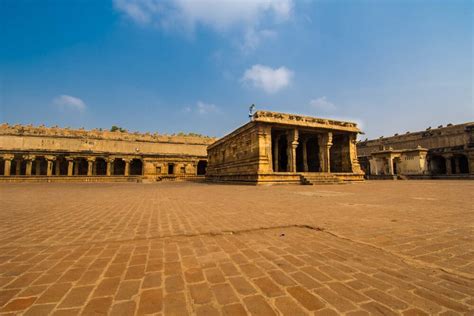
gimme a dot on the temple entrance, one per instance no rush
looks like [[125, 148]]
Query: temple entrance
[[136, 167], [100, 167], [171, 168], [201, 167], [438, 165]]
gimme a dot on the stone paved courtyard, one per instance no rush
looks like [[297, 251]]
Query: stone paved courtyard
[[386, 247]]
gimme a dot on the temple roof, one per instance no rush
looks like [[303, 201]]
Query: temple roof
[[304, 121]]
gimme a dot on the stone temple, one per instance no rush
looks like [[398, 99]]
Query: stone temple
[[286, 148], [271, 148]]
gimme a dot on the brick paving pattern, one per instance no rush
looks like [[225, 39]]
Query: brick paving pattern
[[387, 248]]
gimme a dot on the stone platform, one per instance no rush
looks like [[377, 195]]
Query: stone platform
[[377, 247]]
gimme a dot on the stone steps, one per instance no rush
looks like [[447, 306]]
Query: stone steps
[[321, 178]]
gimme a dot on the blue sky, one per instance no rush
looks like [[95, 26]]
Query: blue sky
[[196, 65]]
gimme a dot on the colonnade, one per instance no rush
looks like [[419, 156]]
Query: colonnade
[[56, 165], [338, 150]]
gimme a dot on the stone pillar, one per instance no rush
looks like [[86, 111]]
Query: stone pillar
[[49, 168], [457, 169], [390, 165], [304, 143], [90, 163], [18, 167], [354, 160], [8, 164], [275, 154], [29, 164], [292, 138], [449, 170], [38, 167], [70, 166], [109, 171], [127, 166], [325, 143]]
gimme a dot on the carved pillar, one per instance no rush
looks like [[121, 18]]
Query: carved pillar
[[70, 166], [49, 168], [355, 166], [90, 163], [325, 143], [127, 166], [449, 170], [29, 164], [457, 169], [304, 143], [275, 154], [38, 167], [8, 164], [292, 138], [109, 166]]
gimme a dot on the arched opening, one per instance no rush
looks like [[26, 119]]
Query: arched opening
[[119, 167], [136, 167], [2, 167], [100, 167], [438, 165], [282, 154], [463, 164], [201, 167]]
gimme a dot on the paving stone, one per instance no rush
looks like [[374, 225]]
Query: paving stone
[[167, 248], [306, 299]]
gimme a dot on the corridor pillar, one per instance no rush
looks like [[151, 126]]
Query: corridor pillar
[[49, 165], [70, 166], [8, 164]]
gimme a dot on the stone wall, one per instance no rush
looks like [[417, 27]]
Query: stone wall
[[43, 151], [446, 151]]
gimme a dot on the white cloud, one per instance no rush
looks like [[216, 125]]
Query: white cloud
[[322, 104], [248, 16], [201, 108], [67, 102], [266, 78]]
